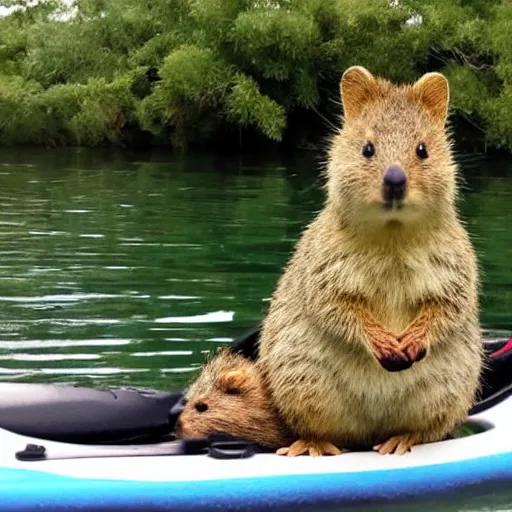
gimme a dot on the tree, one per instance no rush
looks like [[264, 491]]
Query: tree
[[187, 72]]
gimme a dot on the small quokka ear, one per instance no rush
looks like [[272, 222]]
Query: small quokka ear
[[433, 92], [232, 381], [358, 87]]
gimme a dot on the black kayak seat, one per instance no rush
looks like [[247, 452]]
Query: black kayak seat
[[76, 414]]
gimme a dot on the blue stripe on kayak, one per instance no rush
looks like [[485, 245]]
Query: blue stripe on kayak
[[22, 490]]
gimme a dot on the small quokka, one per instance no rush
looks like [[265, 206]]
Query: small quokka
[[230, 396]]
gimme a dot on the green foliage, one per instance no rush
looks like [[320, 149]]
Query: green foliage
[[194, 83], [273, 42], [187, 71], [246, 105], [74, 114], [20, 117], [71, 54]]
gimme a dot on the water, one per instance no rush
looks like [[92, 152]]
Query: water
[[128, 271], [125, 271]]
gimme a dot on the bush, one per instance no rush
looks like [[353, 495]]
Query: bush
[[189, 71]]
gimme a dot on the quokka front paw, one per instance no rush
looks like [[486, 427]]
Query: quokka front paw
[[412, 343], [415, 352], [389, 353], [395, 363]]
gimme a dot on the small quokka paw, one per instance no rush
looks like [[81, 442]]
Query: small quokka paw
[[412, 344], [412, 340], [313, 448], [395, 363], [399, 445], [416, 352], [390, 355]]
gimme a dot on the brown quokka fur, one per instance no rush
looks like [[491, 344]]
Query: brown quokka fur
[[230, 396], [372, 336]]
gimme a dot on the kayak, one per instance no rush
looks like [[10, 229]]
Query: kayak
[[65, 448]]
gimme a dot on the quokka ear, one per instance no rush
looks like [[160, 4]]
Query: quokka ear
[[358, 87], [433, 92], [232, 382]]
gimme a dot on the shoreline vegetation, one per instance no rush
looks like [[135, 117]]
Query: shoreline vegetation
[[239, 74]]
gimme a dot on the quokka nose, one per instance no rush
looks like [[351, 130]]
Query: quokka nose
[[395, 176], [394, 184]]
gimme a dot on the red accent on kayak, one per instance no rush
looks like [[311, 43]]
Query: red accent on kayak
[[501, 351]]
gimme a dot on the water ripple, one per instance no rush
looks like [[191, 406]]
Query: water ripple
[[217, 316]]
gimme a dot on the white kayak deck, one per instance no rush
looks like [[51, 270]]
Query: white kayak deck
[[497, 439]]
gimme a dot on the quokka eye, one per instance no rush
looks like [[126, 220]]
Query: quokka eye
[[421, 151], [368, 150], [201, 407], [233, 391]]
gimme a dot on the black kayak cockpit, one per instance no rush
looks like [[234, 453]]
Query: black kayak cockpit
[[85, 415]]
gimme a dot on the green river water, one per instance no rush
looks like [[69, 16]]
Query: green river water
[[129, 270]]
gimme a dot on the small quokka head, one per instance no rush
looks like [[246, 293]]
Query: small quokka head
[[229, 396], [392, 160]]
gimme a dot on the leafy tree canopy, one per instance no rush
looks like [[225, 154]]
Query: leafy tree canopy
[[185, 72]]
